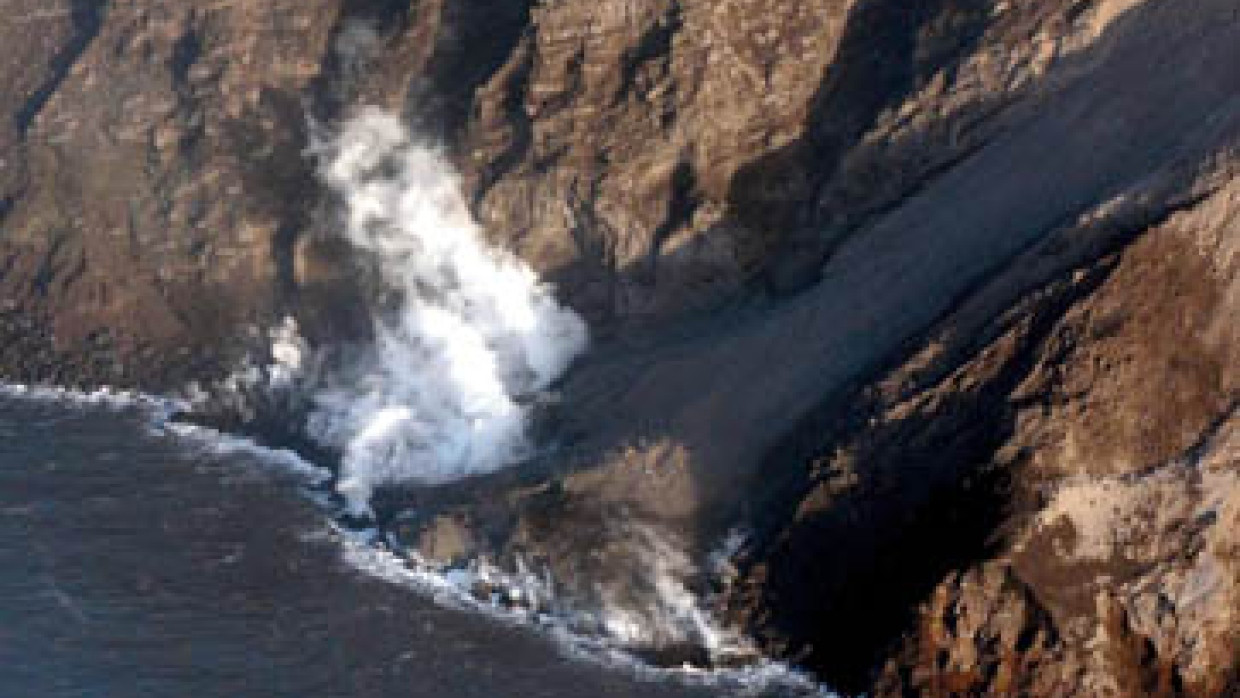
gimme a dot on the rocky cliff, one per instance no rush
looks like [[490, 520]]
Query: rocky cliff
[[938, 300]]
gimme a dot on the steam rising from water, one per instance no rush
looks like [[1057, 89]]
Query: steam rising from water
[[470, 337], [467, 338]]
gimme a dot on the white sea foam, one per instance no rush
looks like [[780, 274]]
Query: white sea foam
[[528, 597], [228, 444], [158, 411], [639, 594], [103, 398], [605, 630], [470, 337]]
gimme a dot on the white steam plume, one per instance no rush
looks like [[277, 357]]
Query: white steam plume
[[473, 333]]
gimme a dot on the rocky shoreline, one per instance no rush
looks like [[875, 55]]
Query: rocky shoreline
[[939, 303]]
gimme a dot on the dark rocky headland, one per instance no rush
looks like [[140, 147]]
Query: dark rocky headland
[[939, 300]]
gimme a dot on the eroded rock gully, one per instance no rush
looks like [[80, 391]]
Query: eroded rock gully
[[1049, 509], [940, 301]]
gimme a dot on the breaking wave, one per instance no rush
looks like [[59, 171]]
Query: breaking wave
[[605, 630], [526, 596], [465, 342], [104, 398]]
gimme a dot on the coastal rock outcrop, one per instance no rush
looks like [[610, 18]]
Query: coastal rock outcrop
[[939, 302]]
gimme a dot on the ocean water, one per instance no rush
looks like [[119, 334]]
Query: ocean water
[[137, 561], [144, 558]]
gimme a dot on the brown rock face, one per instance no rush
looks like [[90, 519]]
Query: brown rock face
[[160, 167], [1047, 498], [940, 299]]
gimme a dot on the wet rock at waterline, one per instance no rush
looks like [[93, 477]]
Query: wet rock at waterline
[[937, 303]]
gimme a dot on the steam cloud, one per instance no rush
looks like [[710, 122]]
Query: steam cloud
[[472, 335]]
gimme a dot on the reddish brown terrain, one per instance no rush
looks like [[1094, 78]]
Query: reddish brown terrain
[[940, 300]]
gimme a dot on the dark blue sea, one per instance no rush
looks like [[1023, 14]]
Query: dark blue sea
[[139, 563]]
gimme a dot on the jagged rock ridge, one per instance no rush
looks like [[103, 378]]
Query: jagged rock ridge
[[941, 300]]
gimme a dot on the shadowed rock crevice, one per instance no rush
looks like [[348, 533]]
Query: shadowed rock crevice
[[887, 51], [357, 31], [877, 464], [889, 509], [506, 116], [477, 39], [654, 45], [87, 17], [185, 52]]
